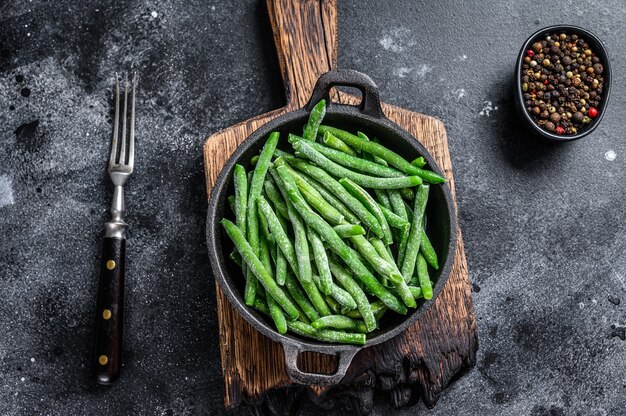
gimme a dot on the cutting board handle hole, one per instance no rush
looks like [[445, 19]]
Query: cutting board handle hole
[[343, 90], [317, 363]]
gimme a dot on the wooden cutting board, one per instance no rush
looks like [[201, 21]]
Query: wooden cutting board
[[419, 363]]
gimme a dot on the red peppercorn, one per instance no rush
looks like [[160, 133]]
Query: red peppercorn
[[592, 112], [545, 82], [560, 130], [531, 53]]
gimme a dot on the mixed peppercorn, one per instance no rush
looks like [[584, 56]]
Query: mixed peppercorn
[[562, 83]]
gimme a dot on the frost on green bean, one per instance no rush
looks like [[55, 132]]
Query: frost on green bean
[[273, 194], [321, 261], [275, 311], [349, 230], [366, 199], [349, 216], [333, 142], [339, 191], [241, 197], [327, 335], [315, 119], [352, 162], [257, 268], [337, 244], [413, 245], [304, 148], [424, 278], [340, 322], [381, 151]]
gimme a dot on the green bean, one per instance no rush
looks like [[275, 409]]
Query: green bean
[[332, 304], [416, 292], [414, 280], [371, 255], [394, 220], [315, 119], [337, 245], [366, 199], [241, 197], [332, 200], [321, 261], [264, 227], [327, 335], [275, 311], [376, 308], [236, 257], [370, 156], [301, 250], [273, 195], [257, 268], [254, 191], [335, 187], [399, 284], [428, 251], [333, 142], [281, 268], [407, 193], [379, 150], [280, 234], [383, 198], [303, 147], [231, 203], [344, 278], [261, 306], [254, 160], [300, 297], [338, 294], [353, 162], [349, 230], [413, 245], [424, 278], [420, 162], [340, 322], [397, 206], [315, 199]]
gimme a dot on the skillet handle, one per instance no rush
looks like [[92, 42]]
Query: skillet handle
[[370, 103], [301, 377]]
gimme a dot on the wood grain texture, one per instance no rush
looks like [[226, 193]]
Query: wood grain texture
[[419, 363]]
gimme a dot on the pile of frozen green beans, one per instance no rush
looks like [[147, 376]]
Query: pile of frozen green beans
[[332, 235]]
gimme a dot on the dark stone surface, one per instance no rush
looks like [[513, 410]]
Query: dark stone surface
[[543, 224]]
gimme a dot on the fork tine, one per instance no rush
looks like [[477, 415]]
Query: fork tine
[[122, 160], [113, 156], [131, 139]]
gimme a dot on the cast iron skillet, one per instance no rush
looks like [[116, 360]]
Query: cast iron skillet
[[369, 118]]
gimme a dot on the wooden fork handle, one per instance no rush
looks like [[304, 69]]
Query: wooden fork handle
[[107, 358]]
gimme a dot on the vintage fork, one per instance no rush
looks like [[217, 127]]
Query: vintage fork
[[110, 309]]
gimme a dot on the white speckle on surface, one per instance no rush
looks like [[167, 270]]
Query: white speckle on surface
[[423, 69], [459, 93], [213, 8], [388, 44], [610, 155], [32, 359], [28, 34], [396, 39], [488, 107], [401, 72], [581, 305], [6, 191], [23, 379], [154, 14]]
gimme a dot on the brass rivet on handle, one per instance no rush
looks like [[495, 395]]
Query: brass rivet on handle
[[111, 264], [103, 359], [106, 314]]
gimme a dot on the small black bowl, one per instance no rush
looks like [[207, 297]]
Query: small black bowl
[[599, 50]]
